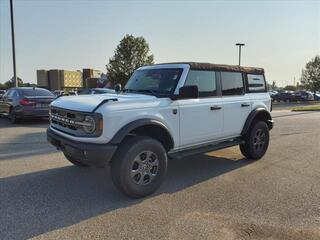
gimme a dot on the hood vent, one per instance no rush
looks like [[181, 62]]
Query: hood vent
[[103, 102]]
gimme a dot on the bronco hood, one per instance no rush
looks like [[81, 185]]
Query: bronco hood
[[89, 103]]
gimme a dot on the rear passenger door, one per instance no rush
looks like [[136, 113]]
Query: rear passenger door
[[235, 102], [201, 118]]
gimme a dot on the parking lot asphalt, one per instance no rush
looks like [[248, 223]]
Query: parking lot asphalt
[[219, 195]]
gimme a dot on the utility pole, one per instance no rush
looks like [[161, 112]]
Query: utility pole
[[15, 79], [240, 45]]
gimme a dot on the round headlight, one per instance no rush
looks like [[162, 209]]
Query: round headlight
[[89, 125]]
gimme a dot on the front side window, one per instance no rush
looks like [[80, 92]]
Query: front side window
[[158, 82], [256, 83], [232, 83], [204, 80]]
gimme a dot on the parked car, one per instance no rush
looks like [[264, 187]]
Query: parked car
[[23, 102], [285, 96], [72, 93], [272, 93], [316, 96], [2, 92], [164, 111], [95, 91], [302, 96], [58, 93]]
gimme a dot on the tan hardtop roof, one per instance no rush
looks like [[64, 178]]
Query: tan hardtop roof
[[220, 67]]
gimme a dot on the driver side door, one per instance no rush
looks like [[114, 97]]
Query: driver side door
[[201, 119]]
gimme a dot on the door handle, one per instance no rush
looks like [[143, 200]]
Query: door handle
[[245, 105], [212, 108]]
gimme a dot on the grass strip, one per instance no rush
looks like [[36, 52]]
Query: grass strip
[[306, 108]]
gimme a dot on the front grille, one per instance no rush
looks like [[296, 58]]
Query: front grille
[[73, 122], [63, 118], [66, 120]]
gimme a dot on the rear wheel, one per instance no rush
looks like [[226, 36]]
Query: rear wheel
[[139, 166], [256, 141], [74, 161], [13, 116]]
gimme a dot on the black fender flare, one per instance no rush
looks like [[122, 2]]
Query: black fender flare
[[125, 130], [257, 113]]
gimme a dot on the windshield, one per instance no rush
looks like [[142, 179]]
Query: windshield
[[84, 91], [36, 92], [158, 82]]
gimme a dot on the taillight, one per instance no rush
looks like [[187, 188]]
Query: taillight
[[26, 102]]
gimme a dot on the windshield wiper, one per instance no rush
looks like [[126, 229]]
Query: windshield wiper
[[145, 91]]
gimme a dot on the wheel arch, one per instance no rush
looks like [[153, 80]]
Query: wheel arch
[[145, 127], [257, 114]]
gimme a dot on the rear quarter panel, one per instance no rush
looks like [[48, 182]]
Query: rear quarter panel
[[260, 100]]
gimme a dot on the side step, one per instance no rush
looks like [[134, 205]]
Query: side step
[[205, 148]]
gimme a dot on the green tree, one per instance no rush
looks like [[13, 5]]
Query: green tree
[[310, 77], [131, 53], [27, 85], [10, 83], [2, 86]]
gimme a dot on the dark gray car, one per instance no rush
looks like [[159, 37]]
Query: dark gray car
[[23, 102]]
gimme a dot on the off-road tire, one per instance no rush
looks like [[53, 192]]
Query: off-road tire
[[139, 166], [74, 161], [256, 141]]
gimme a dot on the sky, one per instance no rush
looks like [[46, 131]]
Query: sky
[[280, 36]]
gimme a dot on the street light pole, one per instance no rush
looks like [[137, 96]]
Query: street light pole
[[15, 79], [240, 45]]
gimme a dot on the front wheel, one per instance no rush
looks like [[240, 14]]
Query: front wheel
[[256, 141], [139, 166]]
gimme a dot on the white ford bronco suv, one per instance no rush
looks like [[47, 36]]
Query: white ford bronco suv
[[164, 111]]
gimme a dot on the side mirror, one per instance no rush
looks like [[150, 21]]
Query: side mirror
[[188, 92], [117, 88]]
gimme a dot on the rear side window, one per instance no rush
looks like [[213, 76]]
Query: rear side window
[[232, 83], [36, 92], [204, 80], [256, 83]]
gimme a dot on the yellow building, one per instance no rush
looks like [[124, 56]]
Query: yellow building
[[55, 79], [71, 79]]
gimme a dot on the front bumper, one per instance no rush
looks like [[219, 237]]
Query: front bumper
[[95, 155], [270, 124]]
